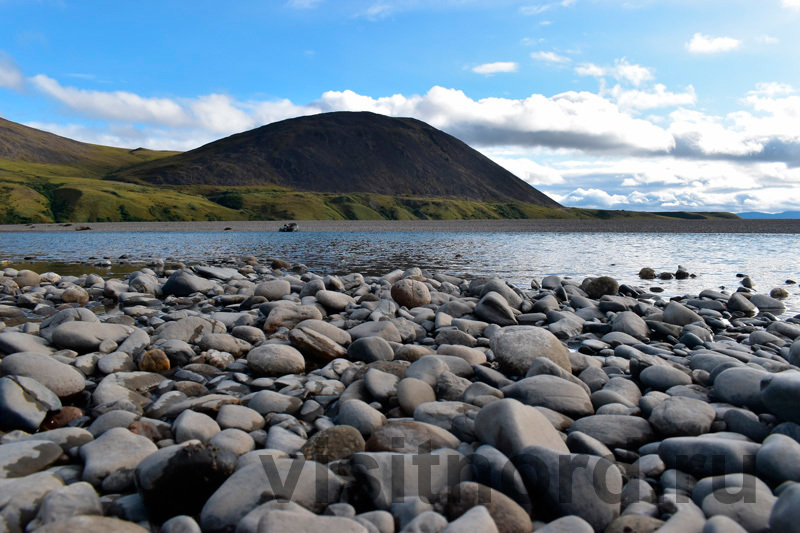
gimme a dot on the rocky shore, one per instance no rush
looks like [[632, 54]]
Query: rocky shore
[[262, 397]]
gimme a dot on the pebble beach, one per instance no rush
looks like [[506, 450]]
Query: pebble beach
[[259, 396]]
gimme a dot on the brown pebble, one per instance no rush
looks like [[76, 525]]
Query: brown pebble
[[63, 417], [154, 361]]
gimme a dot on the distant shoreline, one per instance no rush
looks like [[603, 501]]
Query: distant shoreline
[[768, 226]]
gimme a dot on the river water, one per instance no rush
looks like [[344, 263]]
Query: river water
[[716, 259]]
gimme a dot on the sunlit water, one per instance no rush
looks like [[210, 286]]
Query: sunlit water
[[517, 257]]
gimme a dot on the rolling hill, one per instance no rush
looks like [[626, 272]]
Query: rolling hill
[[327, 167], [345, 152]]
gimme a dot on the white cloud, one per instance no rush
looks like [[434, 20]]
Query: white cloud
[[487, 69], [303, 4], [771, 89], [117, 105], [767, 39], [550, 57], [529, 170], [378, 11], [10, 75], [622, 70], [791, 4], [538, 9], [658, 97], [704, 44]]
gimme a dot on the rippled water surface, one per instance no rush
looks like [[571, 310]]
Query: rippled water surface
[[517, 257]]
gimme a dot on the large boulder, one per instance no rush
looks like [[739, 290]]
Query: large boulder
[[517, 347]]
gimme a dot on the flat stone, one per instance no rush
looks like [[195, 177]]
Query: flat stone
[[552, 392], [15, 341], [183, 282], [709, 455], [616, 431], [22, 458], [86, 337], [316, 345], [410, 436]]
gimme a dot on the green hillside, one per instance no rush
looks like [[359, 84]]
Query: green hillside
[[47, 178]]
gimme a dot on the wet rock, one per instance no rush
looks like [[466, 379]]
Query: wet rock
[[25, 403], [183, 282]]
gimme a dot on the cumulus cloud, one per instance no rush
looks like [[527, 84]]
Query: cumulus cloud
[[704, 44], [529, 170], [10, 75], [622, 70], [487, 69], [550, 57], [116, 105], [658, 97], [791, 4]]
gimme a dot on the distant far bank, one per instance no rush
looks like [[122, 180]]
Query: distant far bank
[[641, 225]]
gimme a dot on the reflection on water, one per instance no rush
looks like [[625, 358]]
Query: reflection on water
[[517, 257]]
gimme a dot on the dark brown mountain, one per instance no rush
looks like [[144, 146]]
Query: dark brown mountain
[[21, 143], [344, 152]]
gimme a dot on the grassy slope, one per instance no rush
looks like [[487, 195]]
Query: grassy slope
[[76, 192]]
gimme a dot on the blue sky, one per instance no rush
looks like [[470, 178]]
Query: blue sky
[[627, 104]]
